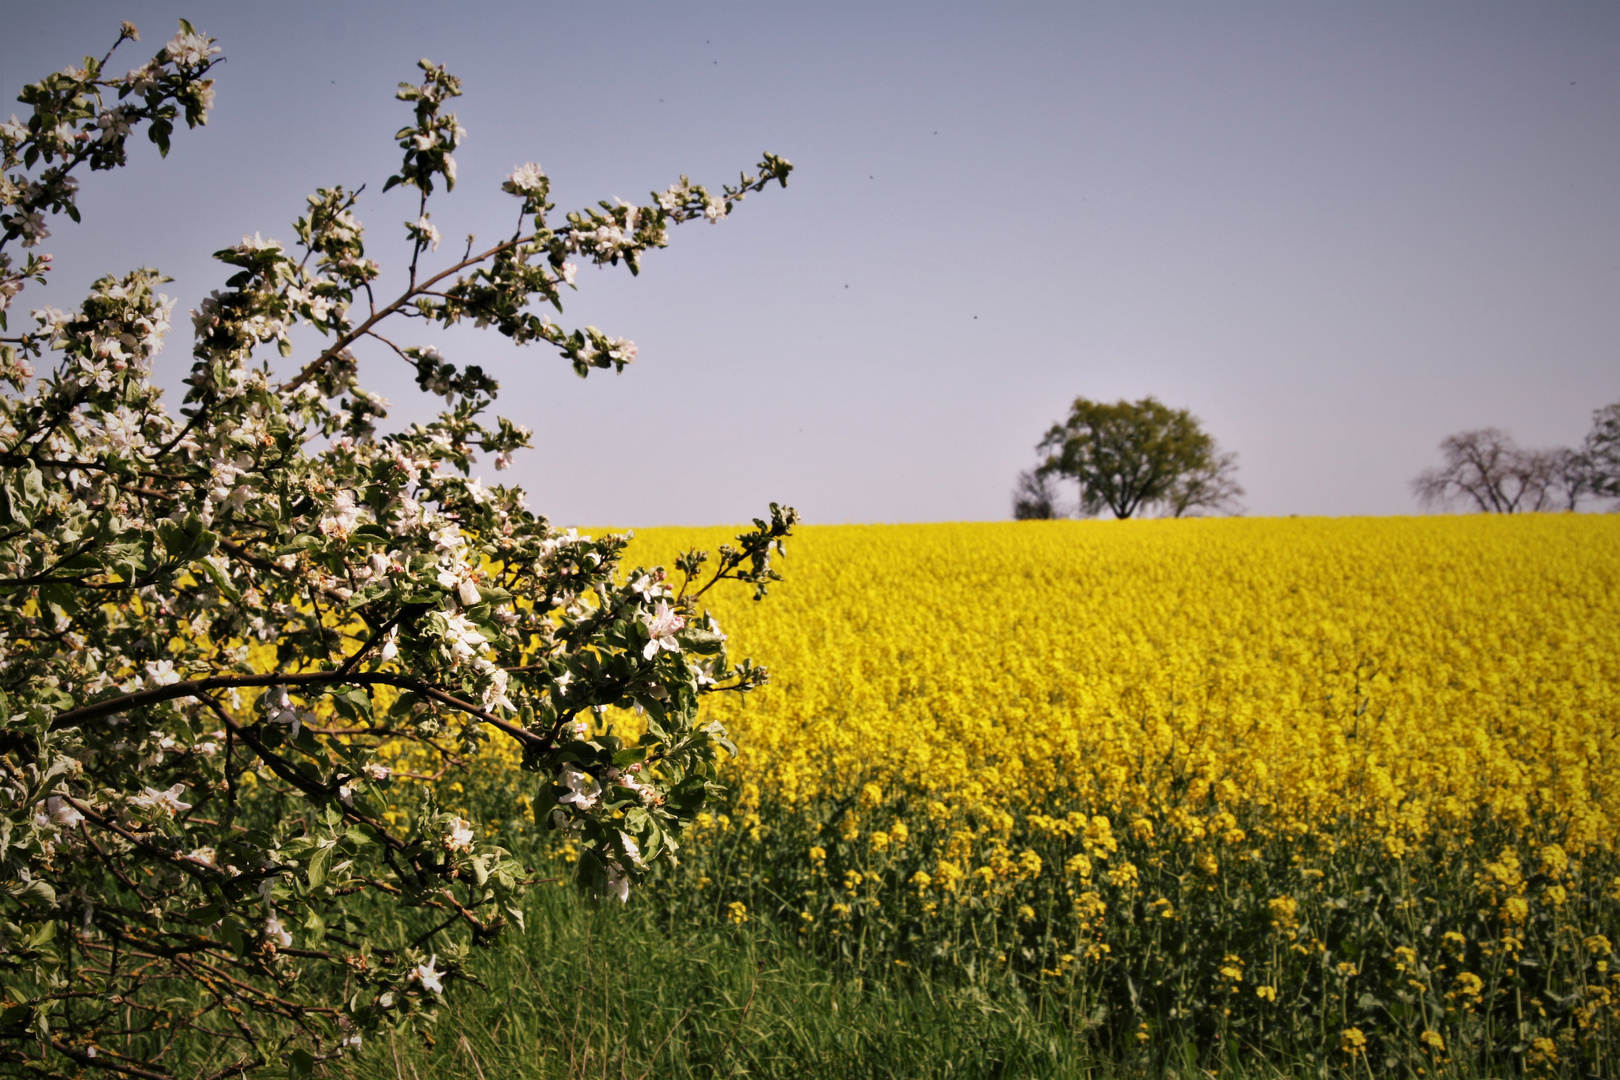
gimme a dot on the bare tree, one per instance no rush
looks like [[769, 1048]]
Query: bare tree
[[1487, 468], [1569, 474], [1035, 498], [1212, 488]]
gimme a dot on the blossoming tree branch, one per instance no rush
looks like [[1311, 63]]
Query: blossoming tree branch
[[233, 636]]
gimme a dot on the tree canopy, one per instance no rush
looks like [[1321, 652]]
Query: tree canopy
[[1129, 456]]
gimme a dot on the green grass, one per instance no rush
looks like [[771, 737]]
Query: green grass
[[604, 992]]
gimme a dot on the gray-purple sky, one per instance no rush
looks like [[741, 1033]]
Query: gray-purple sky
[[1335, 232]]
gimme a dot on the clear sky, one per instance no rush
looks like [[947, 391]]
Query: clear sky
[[1335, 232]]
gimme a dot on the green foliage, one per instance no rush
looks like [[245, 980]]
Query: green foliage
[[1130, 456], [231, 639], [1268, 945]]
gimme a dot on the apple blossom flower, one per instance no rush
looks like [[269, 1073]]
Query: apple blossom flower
[[188, 50], [61, 812], [622, 349], [448, 538], [527, 179], [674, 198], [377, 772], [165, 802], [345, 514], [276, 932], [426, 232], [428, 975], [583, 790], [661, 631], [461, 835], [618, 882]]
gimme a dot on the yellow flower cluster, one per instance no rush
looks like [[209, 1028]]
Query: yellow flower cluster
[[1403, 672], [1339, 760]]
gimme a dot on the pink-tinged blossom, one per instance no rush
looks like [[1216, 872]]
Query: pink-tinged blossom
[[378, 772], [661, 631]]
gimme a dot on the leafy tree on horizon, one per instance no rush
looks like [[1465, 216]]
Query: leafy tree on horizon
[[1128, 456]]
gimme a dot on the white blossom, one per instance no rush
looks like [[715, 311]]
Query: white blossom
[[58, 811], [166, 803], [188, 50], [583, 790], [428, 975], [276, 932], [618, 883], [461, 835], [527, 179], [427, 232]]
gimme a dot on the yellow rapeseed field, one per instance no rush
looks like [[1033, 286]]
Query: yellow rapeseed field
[[1346, 787]]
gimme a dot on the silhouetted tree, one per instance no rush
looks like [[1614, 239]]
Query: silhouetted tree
[[1035, 497], [1600, 453], [1213, 489], [1487, 468]]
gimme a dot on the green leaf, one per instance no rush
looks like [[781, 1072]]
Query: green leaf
[[297, 543], [221, 581], [317, 867]]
